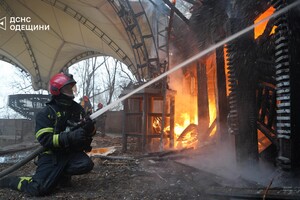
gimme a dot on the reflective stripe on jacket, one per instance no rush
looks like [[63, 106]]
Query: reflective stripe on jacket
[[52, 120]]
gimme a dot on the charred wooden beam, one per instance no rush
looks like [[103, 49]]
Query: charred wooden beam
[[269, 133], [266, 104], [202, 101], [243, 81], [221, 99], [287, 64], [159, 154], [192, 128]]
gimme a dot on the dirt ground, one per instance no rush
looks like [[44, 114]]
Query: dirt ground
[[138, 178], [144, 177]]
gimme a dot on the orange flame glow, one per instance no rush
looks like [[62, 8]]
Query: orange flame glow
[[186, 112], [258, 30]]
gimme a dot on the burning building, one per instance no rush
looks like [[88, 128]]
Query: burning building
[[244, 90], [251, 85]]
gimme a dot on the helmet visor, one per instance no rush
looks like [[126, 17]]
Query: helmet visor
[[68, 90]]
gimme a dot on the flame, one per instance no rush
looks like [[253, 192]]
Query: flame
[[263, 141], [258, 30], [186, 98], [179, 128], [157, 126]]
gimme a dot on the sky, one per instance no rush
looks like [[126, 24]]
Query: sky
[[6, 89], [5, 80]]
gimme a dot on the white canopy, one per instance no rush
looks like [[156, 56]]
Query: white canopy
[[44, 37], [49, 35]]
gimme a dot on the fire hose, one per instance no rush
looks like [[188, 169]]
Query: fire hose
[[39, 150], [22, 162]]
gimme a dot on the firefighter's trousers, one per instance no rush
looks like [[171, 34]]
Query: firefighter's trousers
[[50, 170]]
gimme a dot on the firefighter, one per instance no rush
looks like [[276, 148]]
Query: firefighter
[[101, 121], [86, 104], [65, 146]]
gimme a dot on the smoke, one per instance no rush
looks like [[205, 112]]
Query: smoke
[[220, 160]]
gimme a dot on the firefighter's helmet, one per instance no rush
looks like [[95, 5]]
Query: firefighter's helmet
[[58, 81], [85, 98], [100, 105]]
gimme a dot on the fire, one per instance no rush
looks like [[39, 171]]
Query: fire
[[180, 128], [261, 27], [187, 131], [156, 125], [183, 137], [186, 126]]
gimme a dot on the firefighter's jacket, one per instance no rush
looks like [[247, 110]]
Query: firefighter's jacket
[[52, 120]]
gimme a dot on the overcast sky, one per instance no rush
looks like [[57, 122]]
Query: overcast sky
[[7, 76]]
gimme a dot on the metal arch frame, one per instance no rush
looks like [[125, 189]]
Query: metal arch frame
[[95, 29], [164, 21], [9, 11], [136, 37], [179, 14], [164, 25], [79, 57], [28, 104], [10, 61], [6, 59]]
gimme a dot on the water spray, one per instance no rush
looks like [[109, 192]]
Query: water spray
[[193, 58], [185, 63]]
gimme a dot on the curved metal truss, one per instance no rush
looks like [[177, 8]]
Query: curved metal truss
[[150, 44], [8, 60], [141, 39], [95, 29], [28, 104], [80, 57], [9, 11]]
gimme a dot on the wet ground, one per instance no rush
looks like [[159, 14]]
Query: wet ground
[[177, 175]]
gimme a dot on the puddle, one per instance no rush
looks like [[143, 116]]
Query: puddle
[[14, 157], [18, 156]]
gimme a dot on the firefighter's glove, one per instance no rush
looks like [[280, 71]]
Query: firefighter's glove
[[74, 139], [89, 127], [87, 146]]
